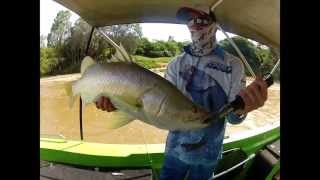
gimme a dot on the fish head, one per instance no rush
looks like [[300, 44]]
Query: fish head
[[187, 117], [196, 115]]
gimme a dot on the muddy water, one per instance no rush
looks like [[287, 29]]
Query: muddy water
[[57, 118]]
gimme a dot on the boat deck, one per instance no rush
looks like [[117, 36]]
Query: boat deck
[[49, 171]]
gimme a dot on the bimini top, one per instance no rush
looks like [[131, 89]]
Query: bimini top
[[254, 19]]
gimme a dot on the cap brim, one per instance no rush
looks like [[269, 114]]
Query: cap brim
[[184, 14]]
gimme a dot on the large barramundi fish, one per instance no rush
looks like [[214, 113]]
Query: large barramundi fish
[[137, 93]]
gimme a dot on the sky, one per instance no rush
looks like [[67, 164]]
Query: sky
[[49, 10]]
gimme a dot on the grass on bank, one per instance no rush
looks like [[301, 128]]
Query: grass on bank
[[145, 62]]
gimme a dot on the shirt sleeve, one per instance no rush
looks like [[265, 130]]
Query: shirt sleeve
[[238, 79], [171, 72]]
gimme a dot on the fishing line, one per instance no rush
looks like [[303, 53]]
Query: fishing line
[[146, 146]]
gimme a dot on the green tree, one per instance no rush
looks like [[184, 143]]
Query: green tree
[[100, 50], [269, 58], [52, 57], [170, 38], [60, 29], [247, 48], [143, 47], [182, 44], [159, 48], [48, 60], [172, 47], [43, 41], [261, 58], [75, 45], [126, 34]]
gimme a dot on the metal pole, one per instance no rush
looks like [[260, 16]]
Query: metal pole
[[80, 108], [244, 60], [216, 5], [121, 50]]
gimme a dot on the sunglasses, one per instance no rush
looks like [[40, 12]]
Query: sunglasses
[[200, 21]]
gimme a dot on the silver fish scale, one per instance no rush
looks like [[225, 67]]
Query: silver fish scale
[[140, 93]]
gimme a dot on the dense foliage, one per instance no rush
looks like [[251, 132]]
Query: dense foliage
[[261, 58], [65, 46]]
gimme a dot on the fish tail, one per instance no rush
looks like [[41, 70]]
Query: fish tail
[[68, 89]]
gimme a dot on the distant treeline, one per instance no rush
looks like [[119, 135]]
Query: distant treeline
[[63, 49]]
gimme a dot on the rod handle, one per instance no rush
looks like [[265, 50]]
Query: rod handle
[[238, 103]]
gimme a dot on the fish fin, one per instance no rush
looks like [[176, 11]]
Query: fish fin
[[86, 62], [68, 89], [117, 119], [121, 55]]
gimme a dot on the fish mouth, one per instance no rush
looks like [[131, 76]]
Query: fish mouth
[[206, 119]]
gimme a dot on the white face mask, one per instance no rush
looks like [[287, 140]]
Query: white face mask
[[204, 40]]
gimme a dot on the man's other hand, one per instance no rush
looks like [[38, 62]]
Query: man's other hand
[[254, 96]]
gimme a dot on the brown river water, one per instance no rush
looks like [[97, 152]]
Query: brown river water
[[56, 118]]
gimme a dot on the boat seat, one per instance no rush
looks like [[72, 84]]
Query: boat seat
[[275, 148], [265, 160]]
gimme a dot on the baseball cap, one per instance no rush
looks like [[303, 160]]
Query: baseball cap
[[185, 14]]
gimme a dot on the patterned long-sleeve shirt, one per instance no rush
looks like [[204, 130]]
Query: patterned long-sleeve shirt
[[211, 81]]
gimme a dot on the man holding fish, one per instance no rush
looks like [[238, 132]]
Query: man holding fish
[[211, 78]]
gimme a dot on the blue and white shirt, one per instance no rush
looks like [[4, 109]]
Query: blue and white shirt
[[210, 81]]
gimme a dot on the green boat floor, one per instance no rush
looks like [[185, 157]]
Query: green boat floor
[[136, 155], [98, 149]]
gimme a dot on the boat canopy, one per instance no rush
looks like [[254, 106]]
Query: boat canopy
[[258, 20]]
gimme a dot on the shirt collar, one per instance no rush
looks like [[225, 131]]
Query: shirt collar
[[218, 51]]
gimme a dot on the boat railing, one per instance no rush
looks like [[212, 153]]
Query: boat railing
[[234, 167], [53, 138], [230, 150]]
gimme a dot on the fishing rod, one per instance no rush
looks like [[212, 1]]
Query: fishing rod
[[238, 103]]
